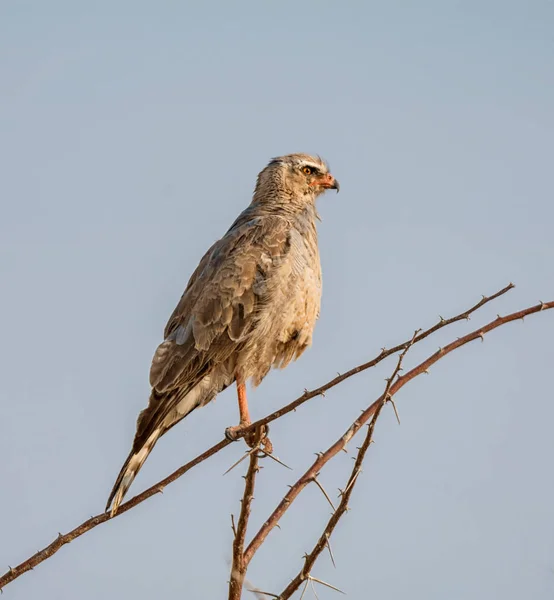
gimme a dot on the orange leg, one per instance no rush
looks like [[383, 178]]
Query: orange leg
[[253, 438], [243, 405], [244, 413]]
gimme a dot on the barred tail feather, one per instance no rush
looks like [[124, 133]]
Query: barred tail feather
[[129, 471], [163, 412]]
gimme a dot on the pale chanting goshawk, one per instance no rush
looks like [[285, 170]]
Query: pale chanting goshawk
[[251, 304]]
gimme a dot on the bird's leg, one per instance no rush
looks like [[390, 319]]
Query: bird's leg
[[252, 439], [232, 432], [243, 405]]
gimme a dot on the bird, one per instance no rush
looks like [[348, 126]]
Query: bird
[[250, 305]]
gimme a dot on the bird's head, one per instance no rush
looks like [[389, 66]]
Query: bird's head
[[300, 178]]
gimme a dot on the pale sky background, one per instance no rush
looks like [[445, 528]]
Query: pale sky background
[[131, 134]]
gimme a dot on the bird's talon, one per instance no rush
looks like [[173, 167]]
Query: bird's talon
[[252, 439], [267, 445], [232, 433], [262, 438]]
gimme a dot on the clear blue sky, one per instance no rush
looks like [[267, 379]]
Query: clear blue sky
[[131, 134]]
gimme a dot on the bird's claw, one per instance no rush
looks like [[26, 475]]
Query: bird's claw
[[266, 443], [252, 439], [232, 433]]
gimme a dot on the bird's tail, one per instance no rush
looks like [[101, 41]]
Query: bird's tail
[[129, 471]]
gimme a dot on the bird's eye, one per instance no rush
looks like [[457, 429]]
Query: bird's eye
[[307, 170]]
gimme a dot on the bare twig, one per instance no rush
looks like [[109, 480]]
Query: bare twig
[[238, 568], [312, 472], [309, 559], [320, 391], [63, 539], [400, 382]]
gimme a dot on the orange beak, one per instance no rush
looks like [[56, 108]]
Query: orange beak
[[328, 182]]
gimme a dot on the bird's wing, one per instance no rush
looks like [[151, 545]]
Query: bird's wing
[[215, 314]]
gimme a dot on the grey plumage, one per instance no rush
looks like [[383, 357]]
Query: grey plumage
[[250, 305]]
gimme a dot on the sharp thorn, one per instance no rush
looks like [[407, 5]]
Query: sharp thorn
[[326, 584], [328, 542]]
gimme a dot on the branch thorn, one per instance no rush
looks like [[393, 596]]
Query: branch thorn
[[324, 493], [326, 584], [328, 542]]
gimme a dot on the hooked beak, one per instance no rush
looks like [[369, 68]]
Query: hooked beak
[[328, 182]]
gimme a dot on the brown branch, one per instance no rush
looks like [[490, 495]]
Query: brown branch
[[62, 539], [462, 341], [323, 541], [320, 391], [333, 450], [238, 568]]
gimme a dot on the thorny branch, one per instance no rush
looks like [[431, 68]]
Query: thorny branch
[[400, 382], [238, 568], [93, 522], [323, 541], [322, 459]]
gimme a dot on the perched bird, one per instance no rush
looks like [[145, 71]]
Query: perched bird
[[251, 304]]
